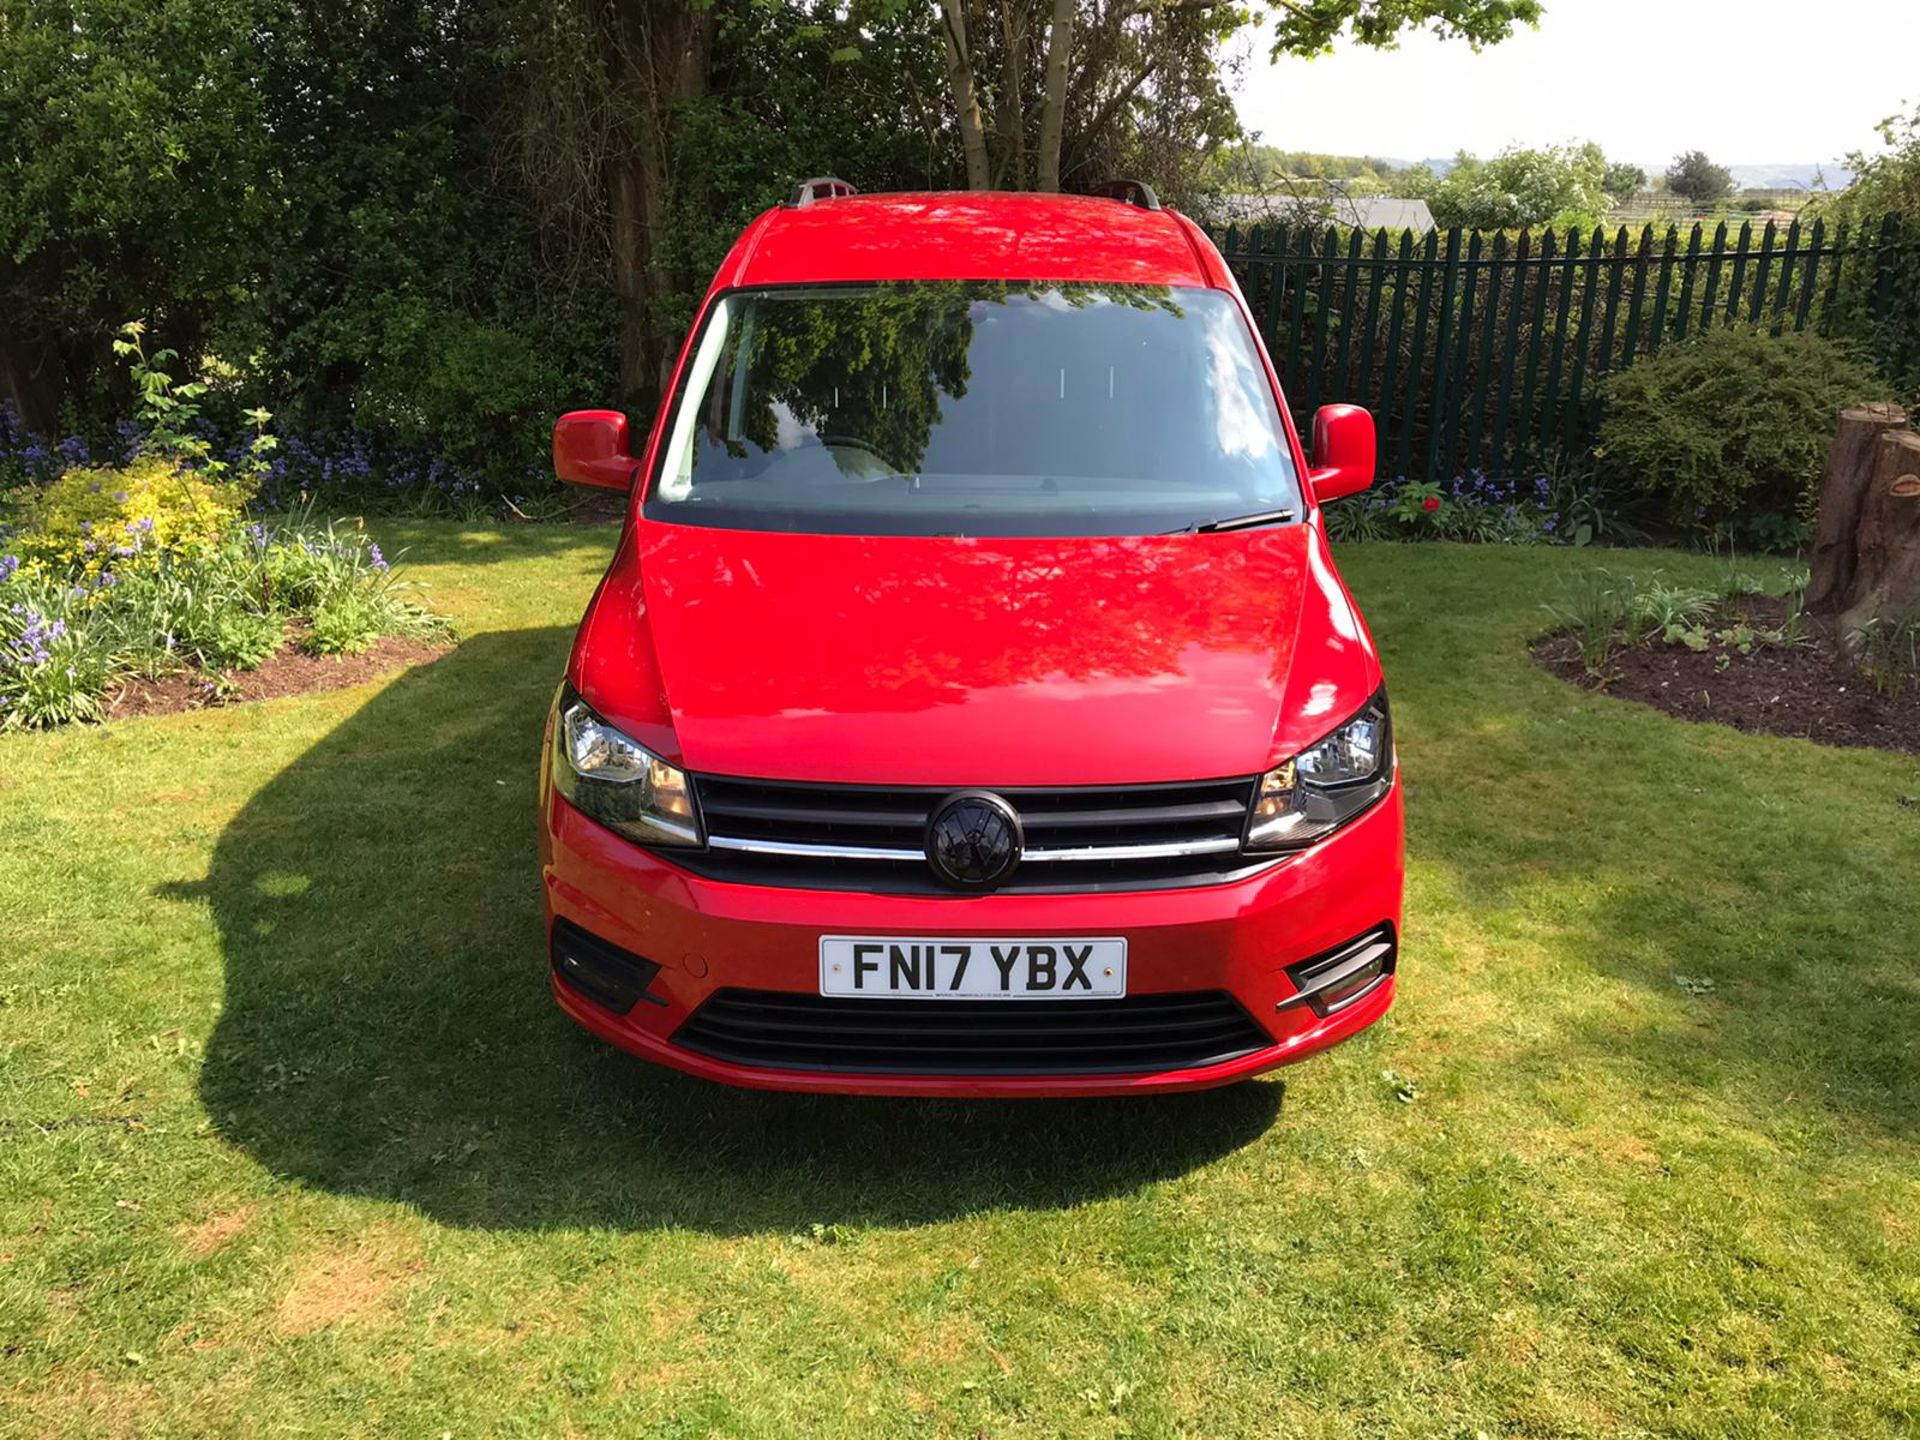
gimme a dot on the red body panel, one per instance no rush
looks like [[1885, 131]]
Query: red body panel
[[974, 662]]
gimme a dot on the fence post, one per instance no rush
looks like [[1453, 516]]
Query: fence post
[[1785, 291], [1516, 302], [1344, 340], [1550, 397], [1707, 310], [1833, 277], [1811, 281], [1583, 338], [1443, 343], [1483, 370], [1416, 360], [1885, 264], [1390, 401], [1616, 280], [1303, 264], [1641, 258], [1376, 280], [1543, 282], [1322, 309]]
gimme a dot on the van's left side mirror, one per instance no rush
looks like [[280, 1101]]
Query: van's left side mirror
[[590, 448], [1343, 451]]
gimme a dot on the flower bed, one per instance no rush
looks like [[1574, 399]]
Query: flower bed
[[1738, 657], [158, 568]]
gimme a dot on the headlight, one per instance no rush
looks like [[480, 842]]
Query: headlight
[[1325, 785], [618, 781]]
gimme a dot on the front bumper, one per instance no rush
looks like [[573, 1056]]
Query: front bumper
[[1237, 939]]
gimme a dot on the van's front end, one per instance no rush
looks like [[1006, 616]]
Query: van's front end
[[972, 705]]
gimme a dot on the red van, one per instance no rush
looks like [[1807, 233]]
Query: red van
[[972, 706]]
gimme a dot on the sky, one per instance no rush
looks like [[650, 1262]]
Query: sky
[[1748, 81]]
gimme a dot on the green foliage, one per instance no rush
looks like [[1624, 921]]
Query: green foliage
[[1593, 606], [1658, 605], [1561, 185], [1311, 29], [1622, 181], [1886, 182], [1889, 653], [1692, 176], [167, 411], [67, 634], [92, 519], [1731, 427], [54, 664], [139, 177]]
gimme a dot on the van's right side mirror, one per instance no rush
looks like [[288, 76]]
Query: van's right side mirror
[[1343, 451], [590, 448]]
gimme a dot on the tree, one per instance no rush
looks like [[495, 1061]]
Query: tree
[[1694, 177], [138, 181], [1151, 68], [1622, 181], [1562, 185]]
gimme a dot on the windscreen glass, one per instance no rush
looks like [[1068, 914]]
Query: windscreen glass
[[955, 407]]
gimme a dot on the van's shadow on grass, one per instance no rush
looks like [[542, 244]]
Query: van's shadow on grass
[[387, 1029]]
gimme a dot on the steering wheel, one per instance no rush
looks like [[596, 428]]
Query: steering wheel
[[865, 447]]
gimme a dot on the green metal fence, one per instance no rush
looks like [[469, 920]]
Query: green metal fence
[[1485, 352]]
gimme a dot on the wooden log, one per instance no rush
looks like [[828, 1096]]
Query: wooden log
[[1843, 484], [1886, 582]]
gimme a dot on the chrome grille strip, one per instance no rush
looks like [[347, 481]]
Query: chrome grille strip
[[799, 850]]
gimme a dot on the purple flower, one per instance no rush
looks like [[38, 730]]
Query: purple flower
[[379, 560]]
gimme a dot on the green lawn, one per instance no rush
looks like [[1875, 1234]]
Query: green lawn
[[293, 1141]]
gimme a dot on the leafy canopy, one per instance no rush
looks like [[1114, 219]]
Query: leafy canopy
[[1311, 26], [1694, 177]]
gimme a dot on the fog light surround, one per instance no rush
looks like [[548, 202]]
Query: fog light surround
[[1342, 977]]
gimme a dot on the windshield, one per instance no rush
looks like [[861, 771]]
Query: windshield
[[958, 407]]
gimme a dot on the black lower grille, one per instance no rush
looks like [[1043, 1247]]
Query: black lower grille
[[776, 1030], [601, 971]]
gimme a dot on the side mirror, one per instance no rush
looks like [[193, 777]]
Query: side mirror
[[1343, 447], [590, 448]]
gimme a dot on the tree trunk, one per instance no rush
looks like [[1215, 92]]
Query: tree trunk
[[1843, 485], [32, 379], [1053, 113], [966, 105], [1886, 581], [1010, 121], [660, 51]]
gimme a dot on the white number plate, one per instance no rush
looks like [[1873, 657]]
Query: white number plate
[[943, 967]]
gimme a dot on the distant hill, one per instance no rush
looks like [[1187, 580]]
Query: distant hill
[[1773, 176]]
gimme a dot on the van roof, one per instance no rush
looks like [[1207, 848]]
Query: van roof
[[972, 235]]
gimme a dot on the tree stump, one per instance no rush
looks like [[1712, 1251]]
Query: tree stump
[[1886, 576], [1843, 487]]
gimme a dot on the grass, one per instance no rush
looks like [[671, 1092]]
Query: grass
[[292, 1141]]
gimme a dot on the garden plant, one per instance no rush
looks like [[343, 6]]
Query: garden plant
[[157, 566]]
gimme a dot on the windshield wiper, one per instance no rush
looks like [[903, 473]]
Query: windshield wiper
[[1238, 522]]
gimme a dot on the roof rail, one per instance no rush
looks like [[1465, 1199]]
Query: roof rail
[[821, 187], [1131, 192]]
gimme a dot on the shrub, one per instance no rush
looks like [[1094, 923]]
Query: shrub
[[93, 517], [1731, 428]]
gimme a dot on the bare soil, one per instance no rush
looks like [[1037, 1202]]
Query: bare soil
[[290, 672], [1808, 691]]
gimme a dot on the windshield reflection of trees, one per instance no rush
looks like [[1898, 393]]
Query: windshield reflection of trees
[[870, 366]]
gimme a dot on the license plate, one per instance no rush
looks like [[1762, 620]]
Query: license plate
[[946, 968]]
